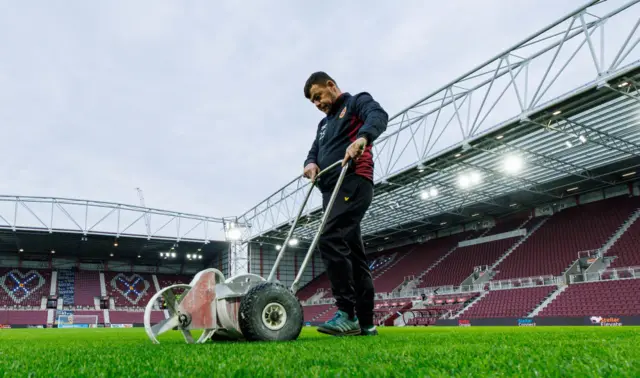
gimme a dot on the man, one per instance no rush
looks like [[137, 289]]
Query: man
[[351, 125]]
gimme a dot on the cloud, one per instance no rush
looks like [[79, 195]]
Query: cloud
[[200, 103]]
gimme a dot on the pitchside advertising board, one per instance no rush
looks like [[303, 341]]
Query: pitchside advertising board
[[598, 321]]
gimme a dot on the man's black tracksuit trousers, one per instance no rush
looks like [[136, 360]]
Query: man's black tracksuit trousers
[[342, 249]]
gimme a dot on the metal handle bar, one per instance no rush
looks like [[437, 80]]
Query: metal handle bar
[[294, 286]]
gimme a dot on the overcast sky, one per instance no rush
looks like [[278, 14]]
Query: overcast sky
[[200, 103]]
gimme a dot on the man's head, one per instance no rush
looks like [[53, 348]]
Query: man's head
[[322, 91]]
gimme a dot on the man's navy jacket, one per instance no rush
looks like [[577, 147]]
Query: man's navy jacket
[[350, 118]]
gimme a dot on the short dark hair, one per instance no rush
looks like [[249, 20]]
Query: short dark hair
[[320, 78]]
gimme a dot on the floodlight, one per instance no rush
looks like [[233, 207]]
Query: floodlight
[[475, 178], [293, 242], [278, 247], [433, 192], [467, 180], [512, 164], [424, 195], [464, 182], [234, 234]]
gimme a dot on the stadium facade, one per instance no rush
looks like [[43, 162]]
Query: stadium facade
[[514, 183]]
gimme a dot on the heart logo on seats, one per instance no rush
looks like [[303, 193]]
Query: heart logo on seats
[[133, 287], [19, 286]]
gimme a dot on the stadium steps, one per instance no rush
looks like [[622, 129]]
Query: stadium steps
[[547, 301], [573, 268], [103, 285], [471, 304], [330, 309], [419, 277], [395, 262], [156, 284], [54, 283], [317, 296], [618, 234], [519, 243]]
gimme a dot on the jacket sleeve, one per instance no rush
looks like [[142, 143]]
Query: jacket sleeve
[[312, 155], [374, 117]]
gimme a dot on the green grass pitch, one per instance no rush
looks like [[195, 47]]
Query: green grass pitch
[[396, 352]]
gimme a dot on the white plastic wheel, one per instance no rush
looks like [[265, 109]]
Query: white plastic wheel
[[175, 320], [274, 316]]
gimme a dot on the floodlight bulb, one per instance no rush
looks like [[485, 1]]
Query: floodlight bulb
[[424, 195], [433, 192], [464, 181], [293, 242], [475, 178], [278, 247], [234, 234], [513, 164]]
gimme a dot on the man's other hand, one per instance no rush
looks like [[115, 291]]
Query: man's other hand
[[311, 171], [355, 150]]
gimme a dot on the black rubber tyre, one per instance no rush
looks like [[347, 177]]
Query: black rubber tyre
[[270, 300]]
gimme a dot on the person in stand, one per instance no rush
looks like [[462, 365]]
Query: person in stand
[[350, 126]]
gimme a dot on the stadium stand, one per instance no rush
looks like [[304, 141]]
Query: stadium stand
[[555, 245], [23, 317], [87, 289], [24, 287], [66, 287], [419, 258], [604, 298], [625, 249], [316, 286], [509, 303], [313, 312], [460, 264], [130, 290], [544, 254], [434, 267], [134, 317]]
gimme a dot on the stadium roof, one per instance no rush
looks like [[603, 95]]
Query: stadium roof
[[556, 115], [39, 245], [93, 230]]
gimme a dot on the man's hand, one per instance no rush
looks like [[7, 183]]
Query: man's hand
[[311, 171], [355, 150]]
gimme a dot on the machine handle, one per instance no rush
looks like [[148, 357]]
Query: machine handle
[[295, 222]]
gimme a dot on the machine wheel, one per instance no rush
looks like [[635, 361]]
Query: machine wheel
[[269, 312]]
